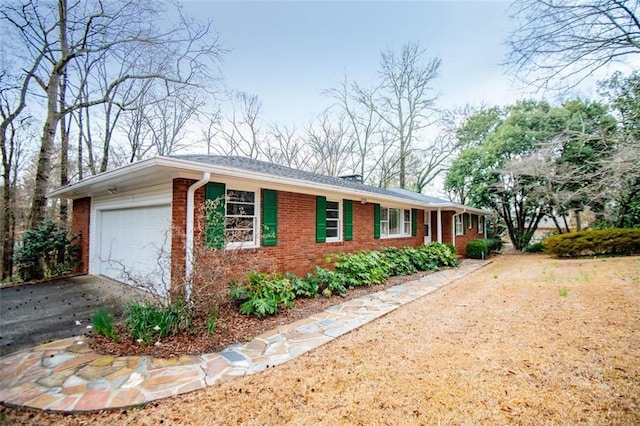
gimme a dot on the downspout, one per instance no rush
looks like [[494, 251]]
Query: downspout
[[190, 231]]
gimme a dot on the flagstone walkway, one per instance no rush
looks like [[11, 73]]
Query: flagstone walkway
[[67, 375]]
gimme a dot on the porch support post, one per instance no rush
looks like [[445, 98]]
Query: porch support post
[[439, 225]]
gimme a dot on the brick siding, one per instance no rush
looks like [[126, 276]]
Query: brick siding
[[80, 224], [469, 234], [297, 250]]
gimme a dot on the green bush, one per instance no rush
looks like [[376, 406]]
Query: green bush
[[362, 268], [262, 294], [47, 251], [477, 249], [329, 282], [102, 322], [400, 261], [616, 241], [493, 244], [302, 287], [534, 248], [147, 322], [444, 254]]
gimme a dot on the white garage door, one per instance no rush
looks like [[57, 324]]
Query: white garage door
[[135, 246]]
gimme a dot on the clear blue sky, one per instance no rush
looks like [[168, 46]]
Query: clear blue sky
[[288, 52]]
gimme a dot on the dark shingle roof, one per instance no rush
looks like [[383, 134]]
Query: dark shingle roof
[[243, 163], [419, 197]]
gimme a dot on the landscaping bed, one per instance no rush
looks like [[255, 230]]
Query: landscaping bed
[[232, 326], [528, 340]]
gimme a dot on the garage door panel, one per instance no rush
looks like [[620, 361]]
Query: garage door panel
[[134, 245]]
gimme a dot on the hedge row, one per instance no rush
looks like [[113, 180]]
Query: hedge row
[[618, 241], [264, 294]]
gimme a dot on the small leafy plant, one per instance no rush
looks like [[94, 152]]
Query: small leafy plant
[[563, 292], [329, 282], [212, 320], [302, 287], [262, 294], [102, 322], [146, 321]]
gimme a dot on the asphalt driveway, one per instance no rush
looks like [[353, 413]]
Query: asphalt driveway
[[39, 313]]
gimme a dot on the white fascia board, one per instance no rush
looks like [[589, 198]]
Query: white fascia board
[[104, 177]]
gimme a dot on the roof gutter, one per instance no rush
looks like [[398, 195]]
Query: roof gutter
[[189, 237]]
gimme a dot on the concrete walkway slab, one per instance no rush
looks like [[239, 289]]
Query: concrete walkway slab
[[67, 376]]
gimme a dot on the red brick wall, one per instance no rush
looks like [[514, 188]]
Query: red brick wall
[[80, 221], [469, 234], [297, 250], [179, 225]]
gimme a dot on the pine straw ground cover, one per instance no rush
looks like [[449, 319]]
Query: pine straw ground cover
[[527, 340]]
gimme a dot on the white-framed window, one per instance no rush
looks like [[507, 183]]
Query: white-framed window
[[334, 221], [241, 218], [459, 224], [406, 223], [480, 224], [395, 222]]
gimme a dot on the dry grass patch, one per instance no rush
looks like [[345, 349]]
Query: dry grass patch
[[501, 346]]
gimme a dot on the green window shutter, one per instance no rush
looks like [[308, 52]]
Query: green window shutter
[[376, 221], [215, 213], [414, 222], [348, 219], [465, 222], [321, 219], [269, 217]]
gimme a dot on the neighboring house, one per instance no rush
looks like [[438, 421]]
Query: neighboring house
[[292, 218], [567, 223]]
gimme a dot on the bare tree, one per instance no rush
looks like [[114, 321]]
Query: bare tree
[[242, 133], [53, 35], [331, 146], [363, 122], [13, 150], [404, 101], [565, 41], [287, 148]]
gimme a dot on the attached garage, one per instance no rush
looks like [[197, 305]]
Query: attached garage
[[132, 243]]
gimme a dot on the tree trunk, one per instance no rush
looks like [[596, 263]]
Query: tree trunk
[[39, 201], [6, 226], [64, 150]]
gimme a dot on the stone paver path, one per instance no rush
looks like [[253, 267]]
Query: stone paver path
[[67, 375]]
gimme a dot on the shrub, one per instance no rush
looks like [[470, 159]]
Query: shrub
[[302, 287], [477, 249], [493, 244], [444, 254], [399, 260], [47, 251], [329, 282], [102, 322], [262, 294], [146, 321], [620, 241], [362, 268], [421, 259], [534, 248]]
